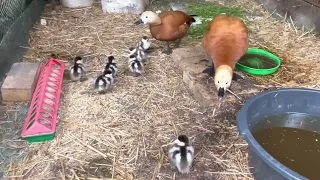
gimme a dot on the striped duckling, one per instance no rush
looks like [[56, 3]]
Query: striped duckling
[[104, 81], [77, 70], [145, 43], [112, 65], [140, 51], [181, 154], [135, 66]]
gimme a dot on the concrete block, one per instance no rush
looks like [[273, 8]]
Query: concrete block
[[124, 6], [20, 82], [192, 61]]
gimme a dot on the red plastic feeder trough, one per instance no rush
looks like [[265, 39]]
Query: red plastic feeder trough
[[41, 121]]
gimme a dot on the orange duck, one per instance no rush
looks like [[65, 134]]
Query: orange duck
[[169, 26], [226, 41]]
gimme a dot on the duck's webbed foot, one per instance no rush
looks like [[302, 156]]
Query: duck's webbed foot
[[178, 43], [210, 70], [168, 51], [236, 77]]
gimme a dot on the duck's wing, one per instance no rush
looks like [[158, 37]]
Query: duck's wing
[[175, 18]]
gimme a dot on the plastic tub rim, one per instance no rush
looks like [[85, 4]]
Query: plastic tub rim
[[256, 71], [255, 146]]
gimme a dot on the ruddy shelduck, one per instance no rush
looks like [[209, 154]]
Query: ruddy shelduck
[[226, 41]]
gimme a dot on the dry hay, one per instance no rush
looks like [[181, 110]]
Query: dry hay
[[125, 133]]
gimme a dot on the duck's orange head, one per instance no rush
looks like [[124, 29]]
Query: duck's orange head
[[222, 80], [148, 17]]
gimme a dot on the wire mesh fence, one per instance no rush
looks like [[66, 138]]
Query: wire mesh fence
[[10, 10], [17, 18]]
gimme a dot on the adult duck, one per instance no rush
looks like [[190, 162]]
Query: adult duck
[[226, 41], [168, 26]]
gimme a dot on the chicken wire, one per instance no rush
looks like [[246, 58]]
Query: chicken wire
[[16, 22], [10, 10], [17, 18]]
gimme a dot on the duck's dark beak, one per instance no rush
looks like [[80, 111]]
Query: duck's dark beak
[[220, 94], [139, 22]]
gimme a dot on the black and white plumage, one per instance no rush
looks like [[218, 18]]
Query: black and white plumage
[[104, 82], [77, 70], [145, 43], [135, 65], [112, 65], [140, 51], [181, 154]]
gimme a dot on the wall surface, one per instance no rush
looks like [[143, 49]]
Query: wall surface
[[302, 13]]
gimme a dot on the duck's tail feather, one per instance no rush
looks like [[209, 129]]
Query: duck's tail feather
[[194, 20]]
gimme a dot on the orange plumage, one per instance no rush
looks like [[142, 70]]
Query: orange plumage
[[173, 26], [168, 26], [226, 41]]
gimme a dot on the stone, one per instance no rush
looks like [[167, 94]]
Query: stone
[[76, 3], [124, 6], [192, 61], [20, 82]]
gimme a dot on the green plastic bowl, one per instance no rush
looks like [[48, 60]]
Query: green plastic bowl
[[256, 71]]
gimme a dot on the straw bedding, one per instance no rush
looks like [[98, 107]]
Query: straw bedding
[[125, 133]]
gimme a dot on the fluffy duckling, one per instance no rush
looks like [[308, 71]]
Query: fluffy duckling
[[135, 65], [168, 26], [145, 43], [140, 51], [133, 51], [181, 154], [225, 41], [112, 65], [77, 70], [104, 81]]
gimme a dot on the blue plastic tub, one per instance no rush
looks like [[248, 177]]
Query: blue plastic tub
[[269, 103]]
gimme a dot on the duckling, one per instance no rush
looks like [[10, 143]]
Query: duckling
[[181, 154], [132, 50], [141, 55], [225, 40], [112, 65], [135, 65], [168, 26], [104, 82], [140, 51], [77, 70], [145, 43]]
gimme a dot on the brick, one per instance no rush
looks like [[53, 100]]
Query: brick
[[192, 61], [20, 82]]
